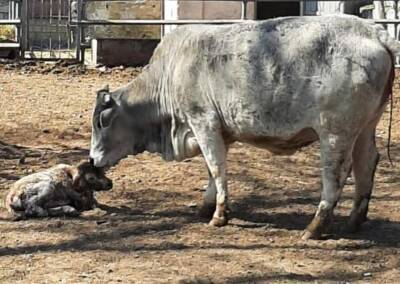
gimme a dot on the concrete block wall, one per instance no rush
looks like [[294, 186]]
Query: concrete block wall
[[124, 10], [213, 10], [204, 10]]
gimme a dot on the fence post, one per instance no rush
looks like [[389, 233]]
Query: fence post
[[162, 27], [24, 16], [78, 30], [243, 15], [396, 16], [302, 8]]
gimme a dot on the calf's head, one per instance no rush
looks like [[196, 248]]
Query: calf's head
[[89, 178]]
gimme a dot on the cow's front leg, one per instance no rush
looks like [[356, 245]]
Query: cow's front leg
[[209, 205], [336, 164], [218, 172], [214, 150]]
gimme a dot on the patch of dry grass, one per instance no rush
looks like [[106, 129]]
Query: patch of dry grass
[[7, 32]]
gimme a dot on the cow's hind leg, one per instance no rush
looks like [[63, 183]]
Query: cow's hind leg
[[336, 164], [210, 201], [365, 160]]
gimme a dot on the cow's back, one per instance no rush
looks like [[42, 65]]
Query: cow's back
[[273, 78]]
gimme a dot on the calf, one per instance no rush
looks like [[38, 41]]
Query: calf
[[62, 190]]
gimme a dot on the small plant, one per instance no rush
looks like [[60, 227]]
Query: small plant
[[7, 32]]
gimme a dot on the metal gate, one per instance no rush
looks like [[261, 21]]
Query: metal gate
[[47, 33]]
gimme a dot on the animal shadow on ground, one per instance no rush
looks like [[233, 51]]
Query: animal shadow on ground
[[378, 231], [9, 151], [328, 277], [110, 240], [111, 232], [117, 224], [32, 158]]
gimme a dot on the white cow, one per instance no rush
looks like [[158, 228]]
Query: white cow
[[279, 84]]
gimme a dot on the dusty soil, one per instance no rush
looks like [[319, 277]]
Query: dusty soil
[[148, 230]]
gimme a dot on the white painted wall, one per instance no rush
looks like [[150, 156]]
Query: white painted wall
[[385, 11], [170, 13], [333, 7]]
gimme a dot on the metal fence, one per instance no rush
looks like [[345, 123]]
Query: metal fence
[[43, 29], [48, 33], [55, 29]]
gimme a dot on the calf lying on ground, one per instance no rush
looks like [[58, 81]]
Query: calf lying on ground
[[62, 190]]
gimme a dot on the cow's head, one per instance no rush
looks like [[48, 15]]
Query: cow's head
[[112, 137]]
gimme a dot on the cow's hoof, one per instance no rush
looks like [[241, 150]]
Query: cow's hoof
[[313, 231], [354, 225], [350, 228], [218, 221], [207, 211], [308, 235]]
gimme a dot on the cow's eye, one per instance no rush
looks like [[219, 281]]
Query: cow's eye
[[106, 118]]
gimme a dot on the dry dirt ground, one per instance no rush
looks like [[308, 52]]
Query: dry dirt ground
[[148, 230]]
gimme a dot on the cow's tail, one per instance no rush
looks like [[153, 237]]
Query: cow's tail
[[393, 48], [387, 40]]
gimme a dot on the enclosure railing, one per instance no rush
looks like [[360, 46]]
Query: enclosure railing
[[10, 22], [77, 22]]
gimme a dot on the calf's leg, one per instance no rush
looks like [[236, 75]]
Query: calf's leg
[[17, 215], [36, 211], [65, 210]]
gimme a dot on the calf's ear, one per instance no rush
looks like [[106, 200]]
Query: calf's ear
[[75, 174], [76, 181]]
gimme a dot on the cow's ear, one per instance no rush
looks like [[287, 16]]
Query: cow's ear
[[104, 96], [107, 116]]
